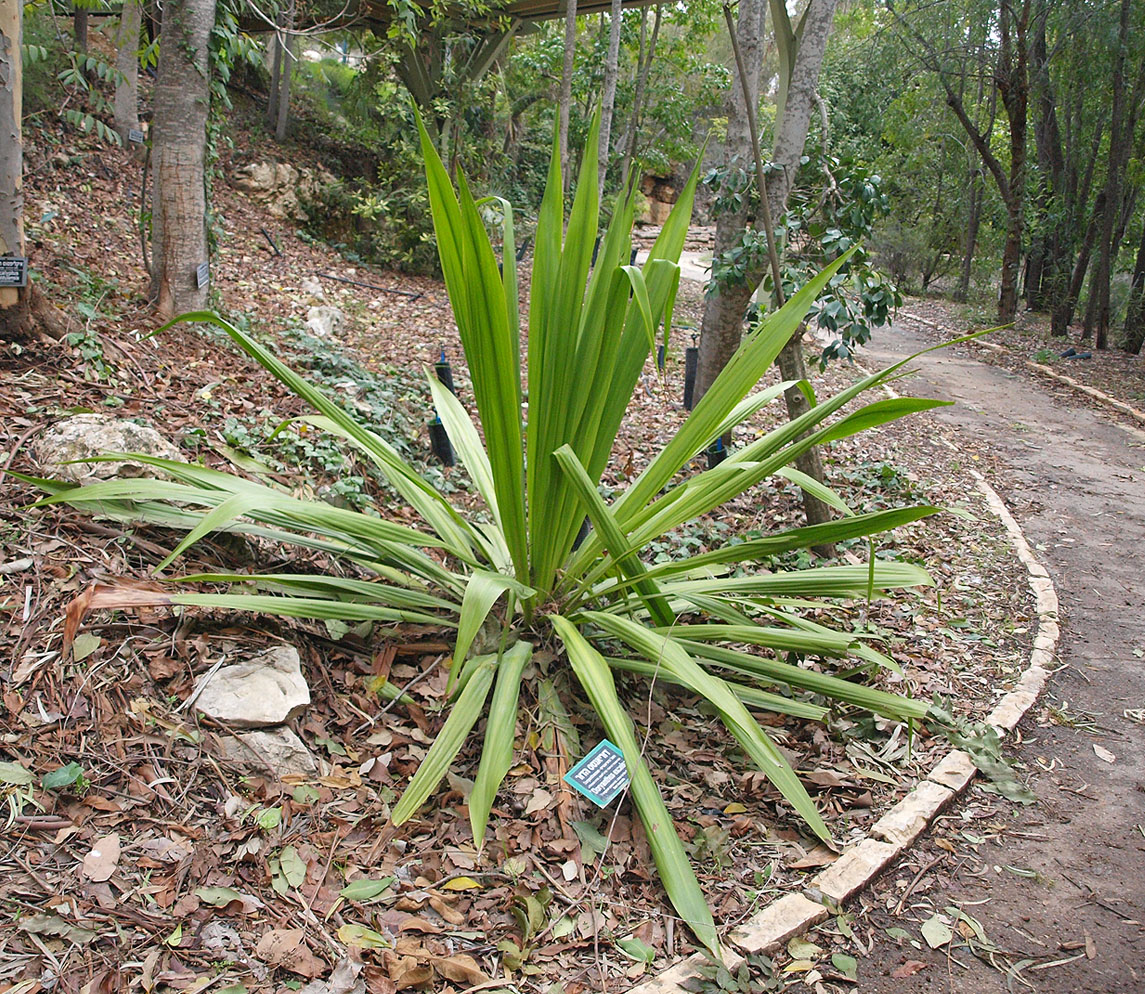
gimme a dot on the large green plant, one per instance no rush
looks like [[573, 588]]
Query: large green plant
[[716, 624]]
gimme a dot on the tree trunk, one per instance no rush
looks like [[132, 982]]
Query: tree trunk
[[566, 88], [274, 63], [127, 66], [79, 30], [973, 221], [724, 310], [644, 63], [14, 314], [1133, 332], [179, 213], [287, 46], [1119, 144], [611, 70]]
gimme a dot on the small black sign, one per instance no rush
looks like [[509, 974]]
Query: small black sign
[[202, 274], [13, 270], [135, 135]]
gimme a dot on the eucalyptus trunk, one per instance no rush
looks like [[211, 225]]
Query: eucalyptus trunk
[[179, 213], [127, 69], [14, 310], [566, 87], [608, 101]]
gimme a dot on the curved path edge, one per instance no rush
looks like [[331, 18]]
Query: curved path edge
[[895, 832]]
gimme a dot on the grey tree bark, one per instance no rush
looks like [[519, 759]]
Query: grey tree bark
[[608, 100], [566, 88], [274, 67], [179, 212], [286, 47], [644, 62], [801, 58], [127, 66], [13, 301]]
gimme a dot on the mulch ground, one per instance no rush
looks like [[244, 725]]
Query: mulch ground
[[154, 860]]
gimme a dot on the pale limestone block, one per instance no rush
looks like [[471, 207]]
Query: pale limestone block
[[1010, 710], [1049, 629], [671, 981], [1033, 680], [852, 871], [908, 819], [1041, 659], [779, 921], [955, 771]]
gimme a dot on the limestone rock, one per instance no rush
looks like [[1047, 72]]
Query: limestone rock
[[276, 751], [281, 186], [324, 321], [266, 690], [83, 436], [311, 285]]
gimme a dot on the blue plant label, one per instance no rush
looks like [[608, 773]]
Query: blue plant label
[[601, 775]]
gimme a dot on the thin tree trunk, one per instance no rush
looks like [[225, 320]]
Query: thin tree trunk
[[566, 88], [1118, 155], [14, 317], [611, 70], [127, 67], [287, 47], [274, 59], [1133, 332], [608, 101], [179, 215], [643, 65]]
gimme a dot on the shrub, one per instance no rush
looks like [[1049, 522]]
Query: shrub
[[519, 579]]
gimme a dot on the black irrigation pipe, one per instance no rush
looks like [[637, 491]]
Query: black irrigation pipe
[[369, 286], [266, 234]]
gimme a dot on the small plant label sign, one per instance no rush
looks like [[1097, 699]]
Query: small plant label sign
[[13, 271], [135, 135], [601, 775], [202, 275]]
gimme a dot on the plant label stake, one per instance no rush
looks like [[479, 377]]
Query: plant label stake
[[691, 366], [439, 442], [444, 373], [601, 775], [660, 358], [716, 453], [582, 533]]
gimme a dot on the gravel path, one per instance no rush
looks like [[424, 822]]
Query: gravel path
[[1067, 873]]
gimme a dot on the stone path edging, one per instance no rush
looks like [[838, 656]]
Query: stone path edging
[[770, 928], [1099, 395]]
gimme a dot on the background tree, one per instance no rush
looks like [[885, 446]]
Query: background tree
[[179, 136], [127, 37], [801, 54]]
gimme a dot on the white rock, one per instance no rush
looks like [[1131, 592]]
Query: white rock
[[311, 286], [324, 321], [266, 690], [83, 436], [277, 751]]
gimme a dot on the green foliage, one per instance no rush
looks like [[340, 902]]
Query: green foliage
[[515, 580]]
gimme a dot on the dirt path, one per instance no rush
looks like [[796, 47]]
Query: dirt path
[[1067, 873]]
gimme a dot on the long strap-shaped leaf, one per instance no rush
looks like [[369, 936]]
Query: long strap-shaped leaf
[[667, 850], [481, 593], [463, 716], [497, 753], [670, 654], [433, 508], [750, 696], [477, 293], [745, 368], [614, 539]]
